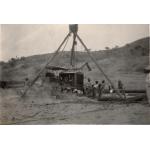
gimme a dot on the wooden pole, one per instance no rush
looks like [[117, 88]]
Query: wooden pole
[[73, 51], [48, 62], [97, 65]]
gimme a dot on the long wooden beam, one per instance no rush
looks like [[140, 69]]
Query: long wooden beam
[[72, 59], [99, 68], [47, 63]]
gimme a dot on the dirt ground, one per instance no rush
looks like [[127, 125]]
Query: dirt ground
[[42, 108]]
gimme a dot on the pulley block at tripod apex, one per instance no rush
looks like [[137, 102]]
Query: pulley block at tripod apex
[[73, 28]]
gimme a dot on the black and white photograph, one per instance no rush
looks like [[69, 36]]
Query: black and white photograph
[[80, 74], [74, 74]]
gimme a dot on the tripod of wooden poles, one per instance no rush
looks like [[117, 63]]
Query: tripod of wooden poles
[[75, 36]]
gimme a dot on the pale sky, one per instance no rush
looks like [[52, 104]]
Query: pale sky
[[26, 40]]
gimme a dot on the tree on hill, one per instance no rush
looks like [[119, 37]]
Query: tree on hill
[[107, 48], [12, 62]]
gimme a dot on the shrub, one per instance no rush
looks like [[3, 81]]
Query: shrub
[[107, 48], [12, 62], [22, 58], [127, 45]]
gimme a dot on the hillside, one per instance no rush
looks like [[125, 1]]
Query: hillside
[[125, 63]]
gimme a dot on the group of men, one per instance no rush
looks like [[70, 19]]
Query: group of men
[[94, 90], [97, 89]]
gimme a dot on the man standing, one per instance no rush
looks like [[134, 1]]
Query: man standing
[[101, 89], [95, 89], [26, 82], [121, 88], [147, 71], [88, 88]]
